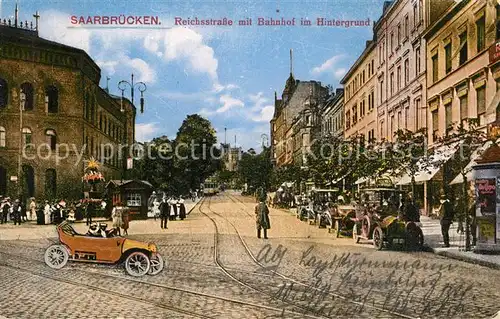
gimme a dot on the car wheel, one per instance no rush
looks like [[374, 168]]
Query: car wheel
[[56, 256], [378, 238], [157, 265], [137, 264]]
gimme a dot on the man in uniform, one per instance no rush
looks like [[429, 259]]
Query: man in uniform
[[262, 216], [446, 219]]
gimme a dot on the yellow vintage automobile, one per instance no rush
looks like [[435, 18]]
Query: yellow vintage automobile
[[139, 258]]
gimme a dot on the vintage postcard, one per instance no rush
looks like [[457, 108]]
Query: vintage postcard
[[249, 159]]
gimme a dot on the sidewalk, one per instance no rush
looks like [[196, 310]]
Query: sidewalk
[[433, 240], [30, 230]]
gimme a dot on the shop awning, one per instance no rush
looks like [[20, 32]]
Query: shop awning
[[430, 167], [475, 155], [394, 176]]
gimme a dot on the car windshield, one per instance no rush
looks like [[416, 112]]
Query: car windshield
[[68, 230]]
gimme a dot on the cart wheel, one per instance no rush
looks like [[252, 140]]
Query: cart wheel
[[137, 264], [56, 256], [378, 238], [355, 234], [157, 265], [366, 226]]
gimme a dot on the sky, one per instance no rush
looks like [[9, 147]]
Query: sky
[[227, 74]]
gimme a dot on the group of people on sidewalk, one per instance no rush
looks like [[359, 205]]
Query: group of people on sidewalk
[[447, 212], [169, 208]]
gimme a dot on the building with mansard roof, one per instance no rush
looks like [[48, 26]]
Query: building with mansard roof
[[54, 116]]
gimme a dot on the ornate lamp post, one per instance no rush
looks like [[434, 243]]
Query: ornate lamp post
[[122, 86], [22, 102]]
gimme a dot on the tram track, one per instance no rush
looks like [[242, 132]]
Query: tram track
[[297, 282], [230, 275]]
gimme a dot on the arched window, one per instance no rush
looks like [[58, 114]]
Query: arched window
[[100, 121], [3, 181], [50, 183], [27, 136], [51, 99], [29, 180], [4, 93], [2, 136], [51, 138], [27, 91]]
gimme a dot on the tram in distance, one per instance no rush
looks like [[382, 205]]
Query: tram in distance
[[210, 187]]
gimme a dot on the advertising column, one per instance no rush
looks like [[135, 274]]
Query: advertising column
[[486, 210]]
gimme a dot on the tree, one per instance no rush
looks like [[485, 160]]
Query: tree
[[256, 170], [197, 156], [471, 139]]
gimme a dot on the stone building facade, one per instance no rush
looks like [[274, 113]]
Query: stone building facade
[[54, 116], [360, 94], [299, 99], [462, 76]]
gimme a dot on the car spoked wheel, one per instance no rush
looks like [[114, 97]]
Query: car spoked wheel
[[157, 265], [56, 256], [137, 264], [378, 238]]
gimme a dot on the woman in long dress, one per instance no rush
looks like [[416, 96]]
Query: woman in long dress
[[156, 208], [182, 208], [46, 212], [117, 216], [173, 208]]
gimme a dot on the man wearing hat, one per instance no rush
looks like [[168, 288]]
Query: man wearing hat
[[447, 215], [16, 211], [5, 210]]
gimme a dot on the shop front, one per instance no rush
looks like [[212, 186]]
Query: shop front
[[133, 193]]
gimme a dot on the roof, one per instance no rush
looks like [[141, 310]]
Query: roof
[[119, 182], [445, 18], [370, 45]]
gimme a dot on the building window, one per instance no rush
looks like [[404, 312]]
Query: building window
[[399, 78], [407, 72], [498, 22], [2, 137], [29, 180], [51, 99], [27, 90], [448, 116], [362, 107], [392, 127], [4, 93], [308, 120], [51, 139], [481, 37], [50, 183], [435, 125], [26, 136], [415, 15], [421, 10], [100, 121], [133, 199], [399, 34], [399, 120], [392, 41], [435, 66], [417, 61], [392, 83], [370, 102], [481, 105], [463, 48], [407, 25], [382, 136], [354, 114], [448, 58], [348, 120], [381, 91], [3, 181], [417, 113], [464, 111]]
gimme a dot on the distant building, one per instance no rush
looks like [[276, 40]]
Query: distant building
[[295, 114], [332, 115], [64, 112], [231, 157]]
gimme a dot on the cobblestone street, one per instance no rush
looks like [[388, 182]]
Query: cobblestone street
[[218, 268]]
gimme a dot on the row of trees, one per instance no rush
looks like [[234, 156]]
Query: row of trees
[[176, 169]]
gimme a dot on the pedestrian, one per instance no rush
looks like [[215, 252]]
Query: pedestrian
[[156, 208], [164, 213], [39, 215], [262, 217], [182, 208], [46, 212], [17, 212], [5, 210], [32, 209], [89, 212], [446, 219], [173, 212], [117, 215], [125, 219]]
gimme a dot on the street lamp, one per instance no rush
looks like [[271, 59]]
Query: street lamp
[[22, 102], [122, 86]]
